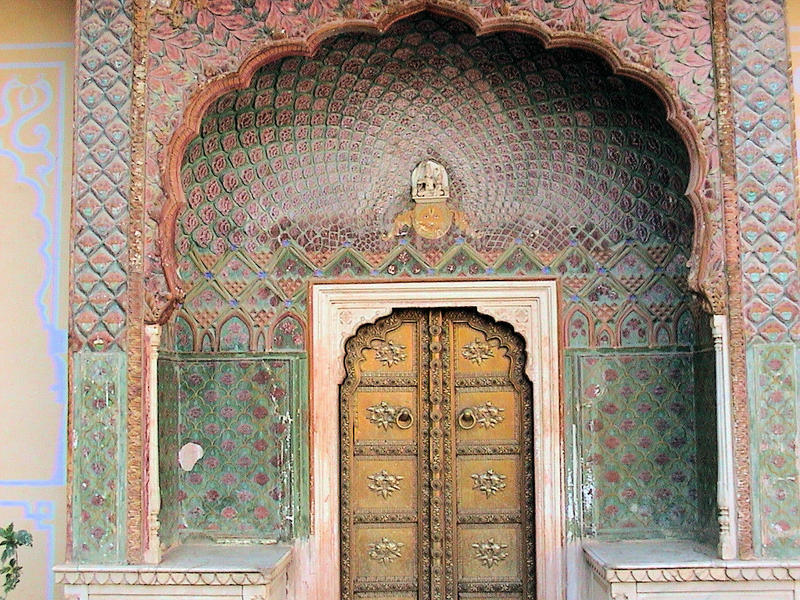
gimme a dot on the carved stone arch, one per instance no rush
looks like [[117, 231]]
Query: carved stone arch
[[179, 329], [208, 342], [568, 332], [647, 333], [639, 68], [684, 322], [604, 336], [290, 316], [241, 317]]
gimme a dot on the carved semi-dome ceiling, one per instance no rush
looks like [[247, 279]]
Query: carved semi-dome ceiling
[[544, 148], [559, 166]]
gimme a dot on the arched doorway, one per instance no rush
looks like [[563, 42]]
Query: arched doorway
[[338, 309], [436, 444], [563, 169]]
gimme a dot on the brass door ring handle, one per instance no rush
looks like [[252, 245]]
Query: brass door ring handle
[[404, 418], [466, 419]]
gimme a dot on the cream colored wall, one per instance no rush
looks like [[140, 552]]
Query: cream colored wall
[[36, 66], [793, 15]]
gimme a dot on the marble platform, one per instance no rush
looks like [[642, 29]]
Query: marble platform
[[197, 571], [681, 570]]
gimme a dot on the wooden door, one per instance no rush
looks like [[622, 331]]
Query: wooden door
[[436, 469]]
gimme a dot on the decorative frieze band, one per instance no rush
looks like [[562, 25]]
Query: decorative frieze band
[[689, 574], [715, 570], [150, 575]]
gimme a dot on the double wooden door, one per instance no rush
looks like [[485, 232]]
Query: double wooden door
[[436, 470]]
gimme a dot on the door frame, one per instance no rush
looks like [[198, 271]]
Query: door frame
[[337, 310]]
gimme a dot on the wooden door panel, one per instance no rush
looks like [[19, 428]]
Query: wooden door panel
[[487, 485], [394, 352], [385, 552], [385, 484], [489, 553], [436, 476], [484, 415], [380, 414], [477, 355]]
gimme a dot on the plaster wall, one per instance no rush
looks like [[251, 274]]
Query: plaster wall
[[36, 67], [793, 25]]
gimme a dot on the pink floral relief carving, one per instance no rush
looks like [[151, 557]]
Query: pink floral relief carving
[[213, 38], [674, 37], [216, 37]]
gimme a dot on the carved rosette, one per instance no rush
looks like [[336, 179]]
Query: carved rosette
[[385, 551], [477, 351], [382, 415], [488, 415], [488, 482], [384, 483], [490, 553], [388, 353]]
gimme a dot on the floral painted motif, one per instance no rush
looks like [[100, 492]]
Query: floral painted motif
[[234, 336], [489, 482], [385, 551], [490, 553], [477, 351], [240, 412], [637, 442], [288, 334], [384, 483], [389, 354]]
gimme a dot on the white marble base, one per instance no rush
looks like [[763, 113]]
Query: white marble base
[[200, 572], [676, 570]]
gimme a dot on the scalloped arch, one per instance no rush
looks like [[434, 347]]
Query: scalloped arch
[[660, 83], [231, 340], [576, 320], [643, 337], [295, 344]]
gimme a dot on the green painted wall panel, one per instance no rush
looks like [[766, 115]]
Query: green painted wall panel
[[99, 474]]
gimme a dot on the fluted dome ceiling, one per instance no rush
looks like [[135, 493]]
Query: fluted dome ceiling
[[545, 148]]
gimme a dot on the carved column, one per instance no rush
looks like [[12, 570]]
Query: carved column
[[152, 492], [726, 489]]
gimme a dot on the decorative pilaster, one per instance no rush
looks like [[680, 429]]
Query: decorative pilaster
[[767, 223], [152, 490], [726, 482], [99, 289], [102, 166]]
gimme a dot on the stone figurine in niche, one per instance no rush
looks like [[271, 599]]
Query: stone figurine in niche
[[431, 217]]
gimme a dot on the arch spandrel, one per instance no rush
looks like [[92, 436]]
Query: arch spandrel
[[689, 118]]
